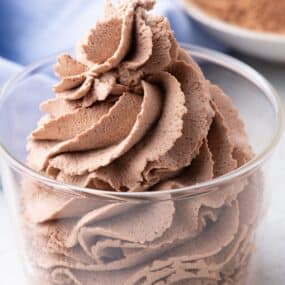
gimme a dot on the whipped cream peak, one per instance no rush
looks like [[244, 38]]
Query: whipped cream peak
[[129, 43]]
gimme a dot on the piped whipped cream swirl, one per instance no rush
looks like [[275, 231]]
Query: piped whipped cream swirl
[[133, 112]]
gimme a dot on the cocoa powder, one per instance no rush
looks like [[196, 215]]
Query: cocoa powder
[[260, 15]]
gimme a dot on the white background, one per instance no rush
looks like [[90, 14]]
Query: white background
[[271, 254]]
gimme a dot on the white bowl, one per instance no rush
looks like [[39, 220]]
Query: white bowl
[[268, 46]]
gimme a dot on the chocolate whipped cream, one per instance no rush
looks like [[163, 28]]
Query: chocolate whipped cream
[[133, 109], [261, 15], [133, 112]]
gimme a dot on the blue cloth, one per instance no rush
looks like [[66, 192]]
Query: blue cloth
[[32, 29]]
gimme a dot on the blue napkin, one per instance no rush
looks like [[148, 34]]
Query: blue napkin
[[31, 29]]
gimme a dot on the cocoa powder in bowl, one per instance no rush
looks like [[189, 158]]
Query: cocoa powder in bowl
[[260, 15]]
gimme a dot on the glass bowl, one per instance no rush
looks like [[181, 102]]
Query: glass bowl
[[203, 234]]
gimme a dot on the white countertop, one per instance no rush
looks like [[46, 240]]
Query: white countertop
[[271, 254]]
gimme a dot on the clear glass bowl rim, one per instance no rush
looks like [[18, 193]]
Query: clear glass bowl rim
[[215, 57]]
